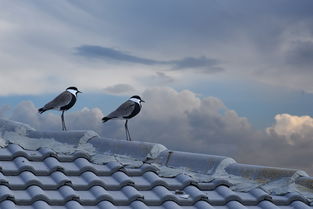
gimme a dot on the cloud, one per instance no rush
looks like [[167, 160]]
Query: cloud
[[119, 89], [254, 42], [157, 79], [182, 120], [91, 51], [104, 53], [209, 65], [300, 55], [292, 128]]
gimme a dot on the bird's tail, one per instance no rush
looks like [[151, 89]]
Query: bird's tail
[[105, 119], [41, 110]]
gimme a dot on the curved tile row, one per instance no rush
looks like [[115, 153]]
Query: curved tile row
[[64, 194], [51, 164], [127, 194], [8, 204], [114, 181], [13, 150]]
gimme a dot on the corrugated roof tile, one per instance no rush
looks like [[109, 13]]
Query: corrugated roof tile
[[5, 193], [267, 205], [300, 205], [138, 205], [235, 205], [7, 204], [139, 176], [106, 205], [139, 171], [74, 205]]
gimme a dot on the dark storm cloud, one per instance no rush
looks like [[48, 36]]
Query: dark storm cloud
[[104, 53], [184, 121]]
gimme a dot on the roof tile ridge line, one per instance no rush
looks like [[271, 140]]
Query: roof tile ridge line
[[74, 156], [105, 199], [256, 203], [16, 150], [266, 198], [24, 153], [30, 158], [41, 186], [37, 196], [34, 171]]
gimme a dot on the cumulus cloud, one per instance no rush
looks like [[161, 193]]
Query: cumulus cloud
[[292, 128], [182, 120]]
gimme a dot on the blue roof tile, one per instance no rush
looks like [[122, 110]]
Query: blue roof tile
[[136, 175]]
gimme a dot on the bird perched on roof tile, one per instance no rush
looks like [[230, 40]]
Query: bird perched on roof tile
[[126, 111], [62, 102]]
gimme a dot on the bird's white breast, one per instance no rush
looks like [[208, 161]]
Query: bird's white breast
[[72, 91]]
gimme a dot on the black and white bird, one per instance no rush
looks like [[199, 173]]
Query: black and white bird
[[126, 111], [62, 102]]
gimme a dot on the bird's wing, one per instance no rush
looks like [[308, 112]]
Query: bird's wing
[[61, 100], [123, 110]]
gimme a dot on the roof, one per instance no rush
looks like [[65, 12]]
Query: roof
[[80, 169]]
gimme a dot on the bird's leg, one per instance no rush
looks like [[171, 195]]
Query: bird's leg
[[127, 131], [63, 123]]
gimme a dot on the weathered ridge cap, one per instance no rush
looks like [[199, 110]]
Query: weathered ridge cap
[[134, 149], [13, 126], [262, 172], [70, 137], [201, 163], [157, 153]]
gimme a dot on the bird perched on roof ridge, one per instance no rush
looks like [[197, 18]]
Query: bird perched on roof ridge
[[127, 110], [62, 102]]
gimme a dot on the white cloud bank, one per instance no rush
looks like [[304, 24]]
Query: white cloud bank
[[184, 121]]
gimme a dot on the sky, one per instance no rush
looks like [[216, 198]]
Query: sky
[[221, 77]]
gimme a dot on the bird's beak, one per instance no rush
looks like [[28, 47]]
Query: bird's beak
[[142, 101], [79, 92]]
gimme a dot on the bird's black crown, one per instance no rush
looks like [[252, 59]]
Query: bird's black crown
[[136, 97], [73, 88]]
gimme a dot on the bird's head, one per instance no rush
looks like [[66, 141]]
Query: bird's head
[[137, 99], [73, 90]]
